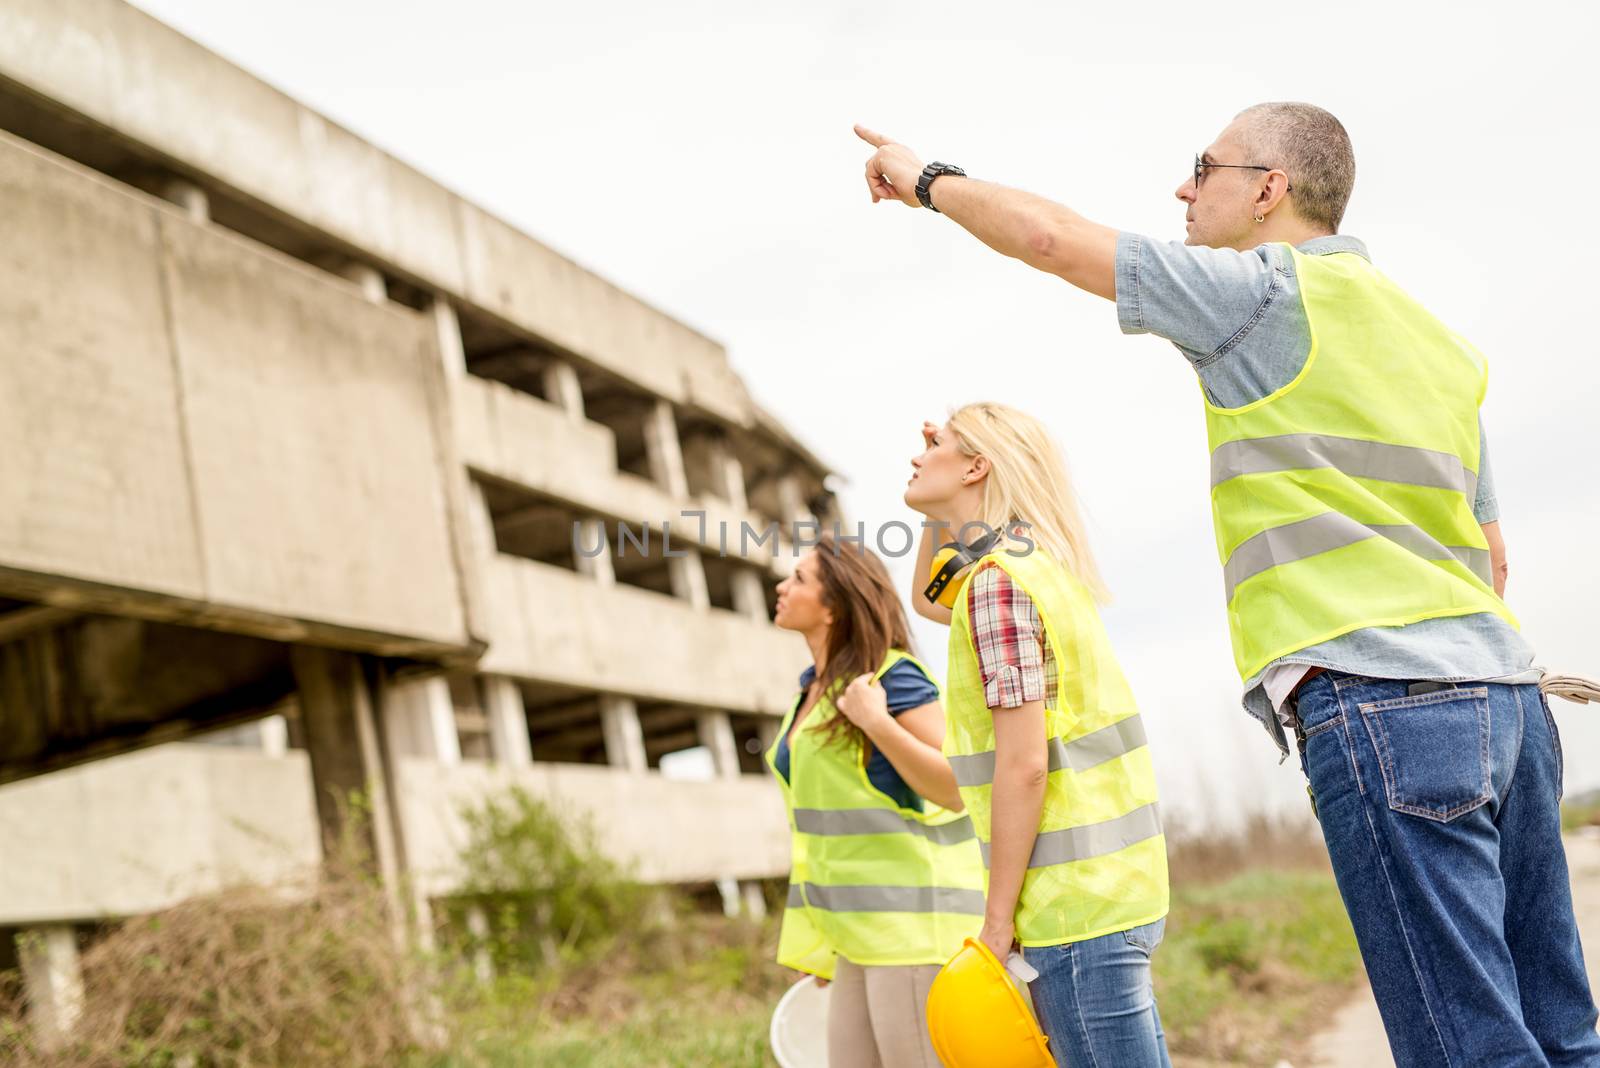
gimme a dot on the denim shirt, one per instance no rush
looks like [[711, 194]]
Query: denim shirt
[[1238, 318]]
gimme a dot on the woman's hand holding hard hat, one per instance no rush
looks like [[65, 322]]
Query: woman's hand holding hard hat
[[999, 937]]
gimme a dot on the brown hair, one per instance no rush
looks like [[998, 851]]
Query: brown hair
[[868, 621]]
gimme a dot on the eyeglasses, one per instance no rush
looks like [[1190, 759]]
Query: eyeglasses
[[1200, 165]]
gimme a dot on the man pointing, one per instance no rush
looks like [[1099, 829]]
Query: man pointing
[[1363, 569]]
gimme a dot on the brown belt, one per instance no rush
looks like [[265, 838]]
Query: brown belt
[[1309, 675]]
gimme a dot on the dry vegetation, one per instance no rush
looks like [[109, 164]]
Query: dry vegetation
[[593, 970], [244, 978]]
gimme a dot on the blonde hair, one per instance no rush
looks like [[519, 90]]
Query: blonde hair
[[1028, 481]]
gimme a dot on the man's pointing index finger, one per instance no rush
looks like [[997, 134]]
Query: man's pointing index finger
[[871, 137]]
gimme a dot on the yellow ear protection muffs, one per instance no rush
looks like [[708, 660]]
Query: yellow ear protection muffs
[[950, 564]]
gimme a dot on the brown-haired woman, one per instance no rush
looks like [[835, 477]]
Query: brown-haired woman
[[887, 879]]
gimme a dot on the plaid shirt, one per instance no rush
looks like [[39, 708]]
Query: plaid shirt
[[1013, 657]]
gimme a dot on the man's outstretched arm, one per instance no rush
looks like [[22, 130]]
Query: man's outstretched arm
[[1041, 233]]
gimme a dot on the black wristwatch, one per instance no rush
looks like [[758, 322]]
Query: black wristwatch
[[929, 173]]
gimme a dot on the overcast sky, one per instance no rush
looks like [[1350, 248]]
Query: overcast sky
[[700, 155]]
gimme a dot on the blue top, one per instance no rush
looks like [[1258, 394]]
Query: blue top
[[906, 686], [1239, 320]]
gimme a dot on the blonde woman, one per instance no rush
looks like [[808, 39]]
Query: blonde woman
[[1045, 741], [886, 881]]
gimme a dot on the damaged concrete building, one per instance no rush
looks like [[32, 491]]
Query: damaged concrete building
[[293, 445]]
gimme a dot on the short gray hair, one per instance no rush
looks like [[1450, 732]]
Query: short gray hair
[[1313, 149]]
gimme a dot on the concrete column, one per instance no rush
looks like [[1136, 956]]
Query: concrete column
[[480, 522], [710, 464], [421, 721], [508, 721], [749, 593], [562, 388], [345, 746], [716, 734], [624, 737], [275, 736], [791, 500], [451, 348], [732, 481], [755, 902], [687, 574], [728, 888], [52, 981], [663, 451], [188, 196], [599, 567], [370, 279], [482, 961]]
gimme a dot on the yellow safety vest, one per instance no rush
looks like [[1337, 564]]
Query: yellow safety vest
[[871, 881], [1344, 500], [1099, 864]]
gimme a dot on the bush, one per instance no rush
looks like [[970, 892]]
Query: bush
[[549, 894], [243, 978]]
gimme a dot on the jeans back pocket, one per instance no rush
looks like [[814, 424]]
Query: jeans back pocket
[[1433, 750]]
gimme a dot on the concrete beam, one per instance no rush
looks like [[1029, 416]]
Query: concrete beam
[[624, 737], [53, 981], [715, 732], [23, 621], [562, 388], [508, 721]]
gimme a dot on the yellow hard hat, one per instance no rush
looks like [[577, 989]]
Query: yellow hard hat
[[977, 1017]]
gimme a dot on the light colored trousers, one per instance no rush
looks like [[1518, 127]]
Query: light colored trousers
[[878, 1016]]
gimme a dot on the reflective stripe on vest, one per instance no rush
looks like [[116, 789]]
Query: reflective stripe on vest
[[838, 821], [1081, 754], [1091, 840], [1344, 500], [886, 898], [1354, 456], [1329, 531]]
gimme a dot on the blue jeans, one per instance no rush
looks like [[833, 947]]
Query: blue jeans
[[1095, 1002], [1441, 811]]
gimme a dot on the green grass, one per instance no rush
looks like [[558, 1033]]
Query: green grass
[[1582, 810], [1248, 962], [666, 1036], [1246, 965], [699, 997]]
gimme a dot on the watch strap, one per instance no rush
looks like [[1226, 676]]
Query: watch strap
[[929, 173]]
